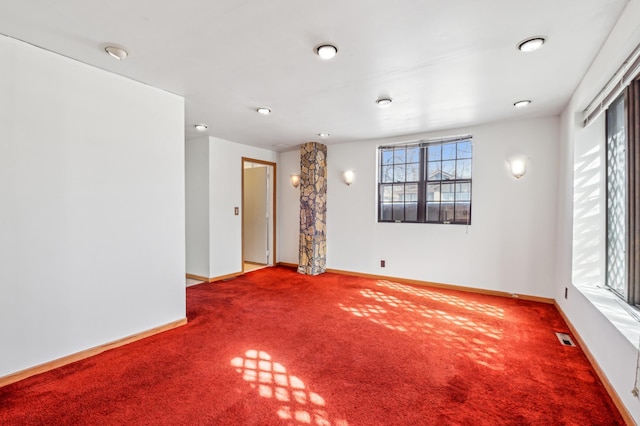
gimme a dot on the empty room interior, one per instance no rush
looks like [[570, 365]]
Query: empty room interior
[[162, 162]]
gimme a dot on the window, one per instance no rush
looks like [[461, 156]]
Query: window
[[623, 195], [426, 182], [616, 198]]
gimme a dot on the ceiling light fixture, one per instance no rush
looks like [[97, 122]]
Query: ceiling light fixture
[[323, 135], [326, 51], [522, 104], [116, 52], [531, 44], [201, 127], [384, 102], [280, 146], [264, 111]]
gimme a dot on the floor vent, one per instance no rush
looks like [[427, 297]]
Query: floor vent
[[565, 339]]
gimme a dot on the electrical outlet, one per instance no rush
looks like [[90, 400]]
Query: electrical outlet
[[382, 263], [236, 211], [566, 292]]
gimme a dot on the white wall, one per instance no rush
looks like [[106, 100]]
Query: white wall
[[581, 243], [589, 201], [288, 207], [92, 207], [225, 193], [508, 247], [197, 206], [225, 159]]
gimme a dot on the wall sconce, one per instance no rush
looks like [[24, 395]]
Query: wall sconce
[[348, 176], [295, 180], [518, 166]]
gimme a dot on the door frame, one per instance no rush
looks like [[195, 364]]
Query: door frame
[[272, 222]]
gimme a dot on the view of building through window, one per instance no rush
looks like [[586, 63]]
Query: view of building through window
[[427, 181]]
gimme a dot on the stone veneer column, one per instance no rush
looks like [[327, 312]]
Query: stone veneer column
[[313, 208]]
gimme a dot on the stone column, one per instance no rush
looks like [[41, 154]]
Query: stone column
[[313, 208]]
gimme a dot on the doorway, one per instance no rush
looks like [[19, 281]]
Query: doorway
[[258, 214]]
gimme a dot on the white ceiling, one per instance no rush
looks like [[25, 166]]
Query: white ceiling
[[445, 63]]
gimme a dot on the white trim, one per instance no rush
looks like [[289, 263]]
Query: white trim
[[612, 308]]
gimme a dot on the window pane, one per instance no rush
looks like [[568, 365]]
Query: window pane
[[398, 193], [413, 172], [433, 192], [387, 156], [386, 192], [433, 212], [411, 192], [434, 171], [448, 170], [428, 182], [449, 151], [463, 169], [447, 192], [398, 212], [463, 192], [446, 212], [387, 174], [398, 173], [616, 273], [434, 152], [385, 213], [411, 212], [462, 212], [413, 154], [464, 149], [399, 155]]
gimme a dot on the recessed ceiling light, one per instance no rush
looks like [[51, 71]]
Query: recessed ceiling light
[[201, 127], [326, 51], [264, 111], [323, 135], [116, 52], [384, 102], [521, 104], [531, 44]]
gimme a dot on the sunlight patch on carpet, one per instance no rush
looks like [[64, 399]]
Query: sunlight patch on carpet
[[408, 317], [444, 298], [272, 381]]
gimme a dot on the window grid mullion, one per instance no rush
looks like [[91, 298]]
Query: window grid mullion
[[402, 159]]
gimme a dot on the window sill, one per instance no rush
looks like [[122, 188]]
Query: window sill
[[623, 317]]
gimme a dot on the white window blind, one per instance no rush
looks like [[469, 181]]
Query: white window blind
[[621, 79]]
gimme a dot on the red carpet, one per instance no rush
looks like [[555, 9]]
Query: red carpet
[[275, 347]]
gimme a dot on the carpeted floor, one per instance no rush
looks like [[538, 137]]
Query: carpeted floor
[[274, 347]]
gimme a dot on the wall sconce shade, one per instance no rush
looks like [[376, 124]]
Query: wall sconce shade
[[518, 166], [295, 180], [348, 176]]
